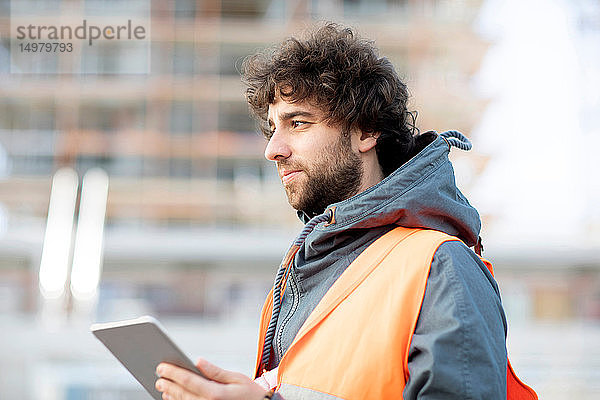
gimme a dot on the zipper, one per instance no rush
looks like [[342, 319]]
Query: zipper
[[294, 292]]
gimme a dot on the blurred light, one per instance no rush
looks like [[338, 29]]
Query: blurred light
[[3, 220], [56, 250], [87, 255]]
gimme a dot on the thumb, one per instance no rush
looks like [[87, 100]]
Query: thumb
[[217, 374]]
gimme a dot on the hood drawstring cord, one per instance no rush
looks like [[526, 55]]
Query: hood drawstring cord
[[280, 282], [457, 139]]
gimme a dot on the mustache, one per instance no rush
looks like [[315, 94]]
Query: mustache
[[290, 165]]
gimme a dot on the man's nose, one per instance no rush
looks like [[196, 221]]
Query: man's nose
[[277, 148]]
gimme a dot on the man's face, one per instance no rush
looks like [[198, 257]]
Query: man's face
[[315, 161]]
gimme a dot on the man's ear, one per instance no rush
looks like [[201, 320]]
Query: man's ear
[[367, 140]]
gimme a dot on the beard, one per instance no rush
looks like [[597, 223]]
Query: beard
[[335, 175]]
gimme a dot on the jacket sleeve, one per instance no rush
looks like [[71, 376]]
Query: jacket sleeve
[[458, 350]]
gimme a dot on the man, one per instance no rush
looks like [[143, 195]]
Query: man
[[363, 305]]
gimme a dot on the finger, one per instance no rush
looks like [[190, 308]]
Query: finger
[[172, 391], [217, 374], [190, 381]]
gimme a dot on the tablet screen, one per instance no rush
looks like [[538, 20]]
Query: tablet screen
[[140, 345]]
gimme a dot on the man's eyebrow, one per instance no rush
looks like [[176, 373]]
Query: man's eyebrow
[[297, 113], [292, 114]]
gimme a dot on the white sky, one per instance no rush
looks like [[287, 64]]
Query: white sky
[[540, 185]]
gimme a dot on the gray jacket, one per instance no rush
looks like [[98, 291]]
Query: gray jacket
[[458, 348]]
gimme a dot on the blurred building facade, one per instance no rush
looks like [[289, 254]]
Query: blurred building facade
[[180, 150]]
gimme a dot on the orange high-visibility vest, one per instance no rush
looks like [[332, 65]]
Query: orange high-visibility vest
[[355, 343]]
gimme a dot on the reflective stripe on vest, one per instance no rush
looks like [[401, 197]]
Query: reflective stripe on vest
[[355, 343]]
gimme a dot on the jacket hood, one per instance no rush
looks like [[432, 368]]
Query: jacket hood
[[422, 193]]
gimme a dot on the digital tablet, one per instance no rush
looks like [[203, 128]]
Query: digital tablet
[[140, 345]]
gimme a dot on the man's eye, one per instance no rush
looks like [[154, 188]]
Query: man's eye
[[296, 124]]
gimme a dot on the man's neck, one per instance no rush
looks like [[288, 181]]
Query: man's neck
[[372, 174]]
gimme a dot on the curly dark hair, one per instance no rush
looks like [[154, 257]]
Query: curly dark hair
[[343, 75]]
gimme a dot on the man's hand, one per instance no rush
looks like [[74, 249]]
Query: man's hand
[[177, 383]]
